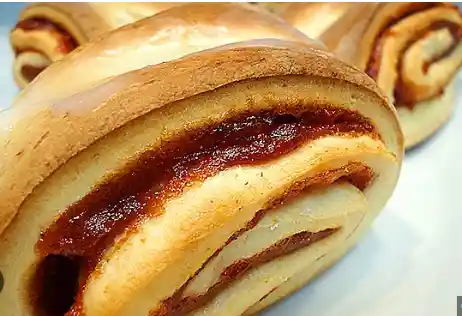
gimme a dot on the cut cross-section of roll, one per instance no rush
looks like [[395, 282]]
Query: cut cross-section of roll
[[412, 50], [198, 186], [48, 31]]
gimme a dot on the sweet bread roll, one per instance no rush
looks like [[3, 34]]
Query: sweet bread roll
[[412, 50], [212, 184], [170, 34], [48, 31], [170, 189]]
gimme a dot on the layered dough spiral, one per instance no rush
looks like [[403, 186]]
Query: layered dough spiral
[[46, 32], [212, 184], [412, 50]]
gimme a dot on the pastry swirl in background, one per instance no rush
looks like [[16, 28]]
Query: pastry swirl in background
[[171, 34], [412, 50], [193, 180], [48, 31]]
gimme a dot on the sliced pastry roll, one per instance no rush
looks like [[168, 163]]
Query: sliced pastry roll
[[209, 185], [412, 50], [212, 184], [46, 32]]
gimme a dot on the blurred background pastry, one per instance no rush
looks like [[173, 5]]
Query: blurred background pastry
[[47, 31], [412, 50]]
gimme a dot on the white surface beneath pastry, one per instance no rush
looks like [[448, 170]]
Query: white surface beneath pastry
[[408, 264]]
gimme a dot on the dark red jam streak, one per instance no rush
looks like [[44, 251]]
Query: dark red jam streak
[[66, 42], [403, 96], [88, 227]]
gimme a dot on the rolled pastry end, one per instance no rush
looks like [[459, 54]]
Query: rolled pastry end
[[416, 52], [37, 43], [213, 188]]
